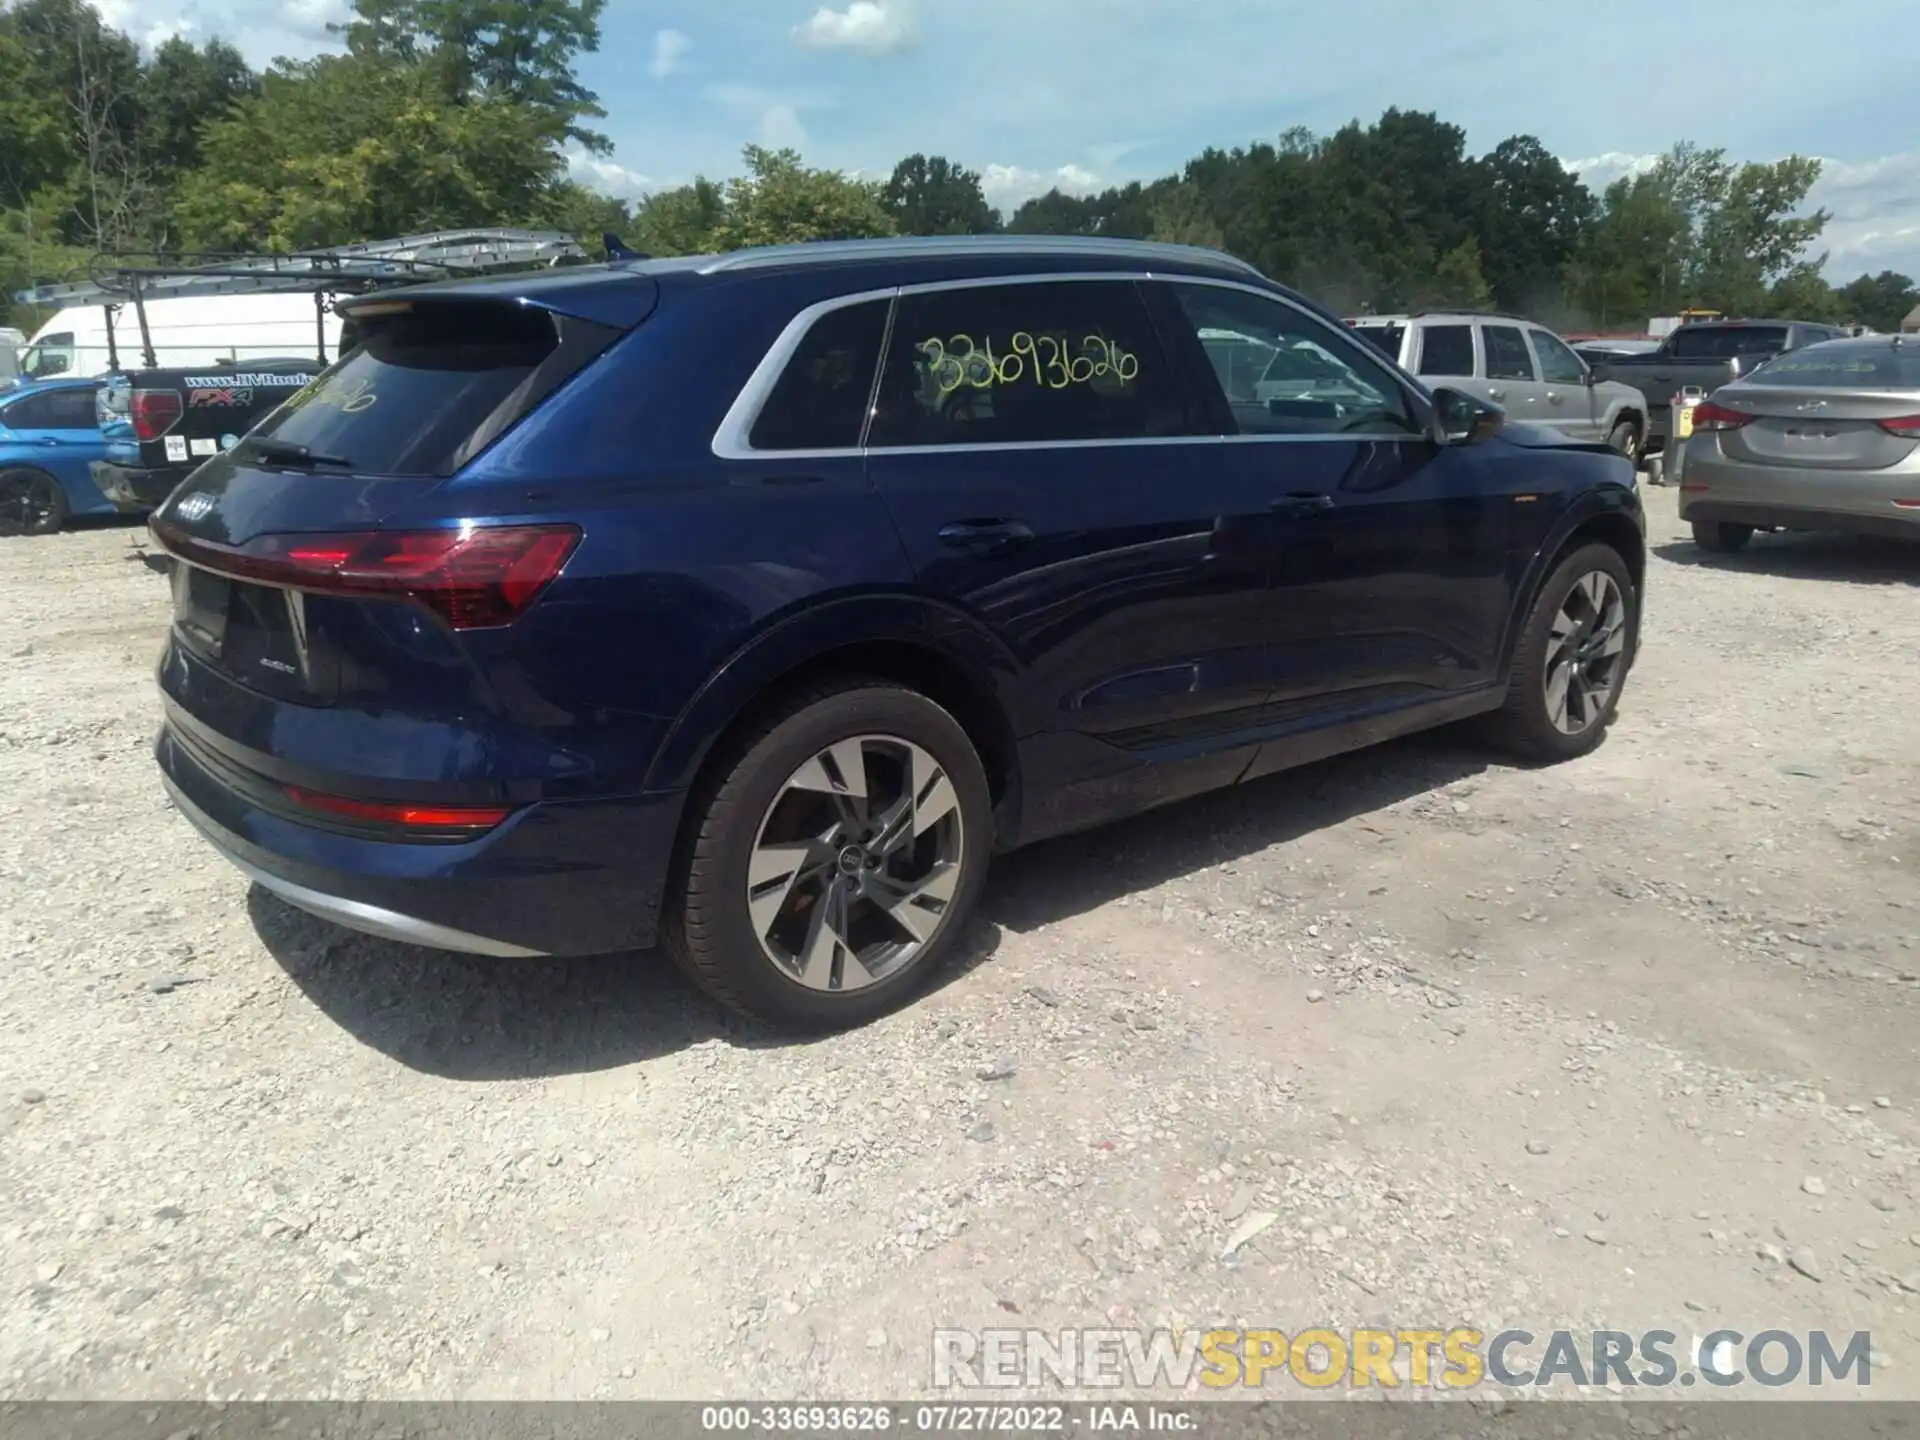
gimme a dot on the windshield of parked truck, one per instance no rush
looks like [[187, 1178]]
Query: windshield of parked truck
[[1727, 342]]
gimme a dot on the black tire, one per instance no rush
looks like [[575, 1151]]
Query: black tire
[[32, 502], [1625, 440], [1523, 725], [1721, 537], [708, 930]]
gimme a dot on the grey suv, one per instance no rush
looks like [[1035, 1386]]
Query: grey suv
[[1524, 368]]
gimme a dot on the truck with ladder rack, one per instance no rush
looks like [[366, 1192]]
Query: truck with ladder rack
[[214, 344]]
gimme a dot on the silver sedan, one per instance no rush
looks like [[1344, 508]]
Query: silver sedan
[[1824, 438]]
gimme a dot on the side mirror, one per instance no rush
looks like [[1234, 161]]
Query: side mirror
[[1463, 420]]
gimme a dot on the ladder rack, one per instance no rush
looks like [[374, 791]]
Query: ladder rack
[[116, 277]]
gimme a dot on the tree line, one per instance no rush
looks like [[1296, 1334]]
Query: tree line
[[449, 113]]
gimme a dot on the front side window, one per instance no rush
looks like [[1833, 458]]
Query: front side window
[[1025, 364], [1316, 381], [820, 399], [1558, 364], [1447, 350], [1507, 357], [29, 413]]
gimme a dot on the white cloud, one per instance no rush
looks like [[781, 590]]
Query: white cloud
[[310, 18], [598, 173], [1602, 170], [670, 49], [1007, 187], [871, 27], [1875, 206]]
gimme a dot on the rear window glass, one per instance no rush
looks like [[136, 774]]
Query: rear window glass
[[1724, 342], [1879, 367], [820, 401], [1384, 338], [1446, 350], [420, 388]]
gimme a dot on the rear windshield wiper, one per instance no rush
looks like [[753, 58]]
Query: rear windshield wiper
[[287, 453]]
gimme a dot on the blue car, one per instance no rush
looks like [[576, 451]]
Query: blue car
[[753, 603], [49, 439]]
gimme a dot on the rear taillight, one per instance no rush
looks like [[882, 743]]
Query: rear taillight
[[1709, 416], [154, 413], [1907, 427], [417, 817], [475, 577]]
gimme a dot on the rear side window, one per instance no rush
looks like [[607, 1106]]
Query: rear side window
[[1507, 355], [428, 389], [1879, 367], [1026, 364], [71, 410], [1726, 342], [1446, 350], [820, 399]]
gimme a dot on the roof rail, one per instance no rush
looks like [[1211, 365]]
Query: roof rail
[[907, 247], [115, 277]]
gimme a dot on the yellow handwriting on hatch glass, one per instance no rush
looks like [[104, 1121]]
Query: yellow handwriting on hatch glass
[[350, 399], [1052, 362]]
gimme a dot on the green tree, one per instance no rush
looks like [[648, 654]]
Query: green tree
[[1458, 282], [1055, 213], [779, 201], [180, 90], [1751, 236], [1879, 302], [934, 196], [1531, 215], [1183, 216], [1803, 294], [351, 147], [520, 51], [681, 221]]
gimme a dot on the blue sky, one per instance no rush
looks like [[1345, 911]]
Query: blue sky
[[1083, 93]]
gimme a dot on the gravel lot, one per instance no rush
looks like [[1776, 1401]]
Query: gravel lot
[[1628, 1042]]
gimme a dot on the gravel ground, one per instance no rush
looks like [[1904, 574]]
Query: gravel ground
[[1628, 1043]]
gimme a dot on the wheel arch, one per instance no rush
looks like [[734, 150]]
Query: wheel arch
[[942, 653], [1602, 519]]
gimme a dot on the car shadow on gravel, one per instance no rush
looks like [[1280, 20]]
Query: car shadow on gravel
[[471, 1018], [1062, 878], [1822, 555]]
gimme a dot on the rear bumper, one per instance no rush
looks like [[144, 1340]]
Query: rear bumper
[[1716, 488], [573, 879], [132, 489]]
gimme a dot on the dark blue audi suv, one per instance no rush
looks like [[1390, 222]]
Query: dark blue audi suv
[[751, 603]]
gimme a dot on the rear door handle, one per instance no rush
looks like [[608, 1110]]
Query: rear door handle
[[47, 440], [978, 536], [1302, 505], [1494, 392]]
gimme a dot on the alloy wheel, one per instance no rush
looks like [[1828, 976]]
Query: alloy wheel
[[1586, 649], [26, 504], [856, 863]]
